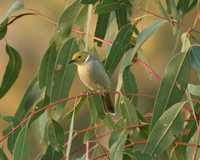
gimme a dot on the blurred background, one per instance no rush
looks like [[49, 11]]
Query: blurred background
[[31, 34]]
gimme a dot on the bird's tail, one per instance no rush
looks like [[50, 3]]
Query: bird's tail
[[108, 104]]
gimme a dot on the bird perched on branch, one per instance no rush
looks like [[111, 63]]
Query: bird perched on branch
[[93, 75]]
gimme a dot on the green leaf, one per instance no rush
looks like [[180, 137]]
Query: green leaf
[[64, 72], [30, 97], [68, 18], [96, 108], [116, 150], [12, 70], [130, 86], [137, 155], [21, 145], [190, 150], [109, 6], [185, 6], [52, 154], [17, 5], [118, 48], [3, 28], [2, 155], [142, 37], [82, 18], [161, 136], [173, 85], [89, 1], [194, 89], [55, 134], [122, 17], [9, 119], [47, 67], [128, 110], [102, 26], [195, 57]]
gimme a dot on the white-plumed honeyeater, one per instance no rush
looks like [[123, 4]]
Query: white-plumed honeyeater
[[93, 75]]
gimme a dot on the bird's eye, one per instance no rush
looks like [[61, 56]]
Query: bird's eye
[[79, 57]]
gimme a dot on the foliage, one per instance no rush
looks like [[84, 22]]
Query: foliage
[[168, 134]]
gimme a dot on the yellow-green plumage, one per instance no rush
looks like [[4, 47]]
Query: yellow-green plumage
[[94, 76]]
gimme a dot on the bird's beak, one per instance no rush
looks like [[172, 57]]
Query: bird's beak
[[71, 61]]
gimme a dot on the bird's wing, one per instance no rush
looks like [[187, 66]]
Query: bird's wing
[[99, 75]]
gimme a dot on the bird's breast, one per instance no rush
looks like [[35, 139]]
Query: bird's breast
[[86, 75]]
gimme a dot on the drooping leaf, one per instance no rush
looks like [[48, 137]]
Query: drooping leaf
[[116, 150], [118, 48], [122, 17], [136, 155], [89, 1], [64, 72], [130, 86], [82, 18], [3, 28], [47, 68], [162, 134], [128, 110], [2, 155], [55, 134], [21, 145], [52, 154], [96, 108], [194, 89], [7, 118], [190, 150], [30, 97], [12, 70], [173, 84], [68, 18], [17, 5], [142, 37], [185, 6], [195, 57], [111, 5], [102, 26]]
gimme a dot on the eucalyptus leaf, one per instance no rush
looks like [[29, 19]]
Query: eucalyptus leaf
[[3, 155], [55, 134], [118, 49], [194, 89], [173, 85], [21, 145], [195, 58], [47, 68], [116, 150], [102, 26], [130, 86], [68, 18], [3, 28], [195, 139], [52, 154], [16, 6], [88, 1], [12, 70], [142, 37], [111, 5], [161, 136]]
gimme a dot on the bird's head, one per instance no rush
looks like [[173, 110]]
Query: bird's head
[[79, 57]]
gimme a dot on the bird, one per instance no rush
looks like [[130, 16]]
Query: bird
[[93, 75]]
